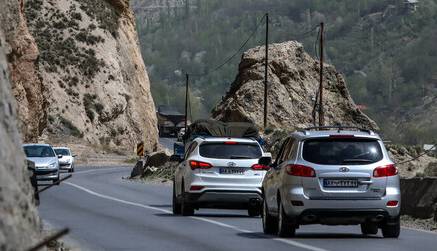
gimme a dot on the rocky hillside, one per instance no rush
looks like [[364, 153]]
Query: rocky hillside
[[19, 222], [84, 77], [293, 84]]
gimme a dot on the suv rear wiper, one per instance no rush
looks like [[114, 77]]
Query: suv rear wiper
[[240, 157], [357, 160]]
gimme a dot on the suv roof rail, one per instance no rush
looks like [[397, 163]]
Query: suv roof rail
[[338, 127]]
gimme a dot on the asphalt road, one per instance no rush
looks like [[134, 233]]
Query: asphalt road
[[106, 212]]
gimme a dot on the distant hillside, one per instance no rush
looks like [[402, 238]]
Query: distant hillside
[[385, 49]]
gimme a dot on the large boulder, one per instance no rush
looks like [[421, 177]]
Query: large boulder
[[293, 83], [419, 197]]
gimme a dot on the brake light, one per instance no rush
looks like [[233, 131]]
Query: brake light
[[194, 164], [300, 170], [392, 203], [230, 143], [196, 188], [259, 167], [385, 171]]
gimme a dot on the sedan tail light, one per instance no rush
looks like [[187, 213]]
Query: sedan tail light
[[194, 164], [301, 170], [385, 171], [259, 167]]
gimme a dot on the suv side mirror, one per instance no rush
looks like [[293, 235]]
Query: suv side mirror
[[176, 158], [74, 155], [60, 156], [265, 161]]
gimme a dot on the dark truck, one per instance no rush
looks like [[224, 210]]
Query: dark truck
[[170, 121]]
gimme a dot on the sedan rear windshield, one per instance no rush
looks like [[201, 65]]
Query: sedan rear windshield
[[328, 151], [230, 151], [38, 151]]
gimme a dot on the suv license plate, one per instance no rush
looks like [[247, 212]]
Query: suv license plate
[[230, 170], [340, 183]]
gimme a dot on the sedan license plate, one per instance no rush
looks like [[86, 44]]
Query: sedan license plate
[[340, 183], [230, 170]]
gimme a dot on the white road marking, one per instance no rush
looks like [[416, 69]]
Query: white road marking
[[420, 230], [289, 242]]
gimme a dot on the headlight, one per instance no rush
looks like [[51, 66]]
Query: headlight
[[52, 165]]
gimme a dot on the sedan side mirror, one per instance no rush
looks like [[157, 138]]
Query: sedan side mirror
[[74, 155], [265, 161], [30, 165], [60, 156]]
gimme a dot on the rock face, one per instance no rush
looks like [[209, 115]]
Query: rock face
[[293, 84], [19, 222], [94, 81], [27, 86], [419, 197]]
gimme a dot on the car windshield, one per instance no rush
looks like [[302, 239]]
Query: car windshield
[[230, 151], [63, 152], [328, 151], [39, 151]]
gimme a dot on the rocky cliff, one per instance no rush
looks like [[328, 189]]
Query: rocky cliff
[[91, 83], [293, 84], [19, 222]]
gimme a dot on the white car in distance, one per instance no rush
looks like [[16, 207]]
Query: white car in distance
[[67, 160]]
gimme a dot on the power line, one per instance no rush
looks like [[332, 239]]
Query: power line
[[420, 155], [236, 53]]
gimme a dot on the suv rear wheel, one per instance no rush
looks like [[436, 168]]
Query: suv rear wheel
[[286, 228], [391, 229], [175, 203], [270, 223], [186, 208], [369, 228]]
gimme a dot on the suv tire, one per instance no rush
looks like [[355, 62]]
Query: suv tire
[[177, 207], [270, 223], [285, 227], [391, 229], [368, 228], [186, 208]]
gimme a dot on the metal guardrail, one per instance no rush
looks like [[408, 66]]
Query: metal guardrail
[[54, 184], [49, 239]]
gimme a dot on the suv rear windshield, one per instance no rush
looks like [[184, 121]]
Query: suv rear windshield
[[230, 151], [328, 151]]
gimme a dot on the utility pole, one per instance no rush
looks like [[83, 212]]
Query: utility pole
[[186, 100], [321, 112], [265, 70]]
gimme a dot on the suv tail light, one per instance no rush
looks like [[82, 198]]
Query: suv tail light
[[300, 170], [194, 164], [385, 171], [259, 167]]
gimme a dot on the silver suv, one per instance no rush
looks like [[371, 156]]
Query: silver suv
[[332, 177], [219, 172]]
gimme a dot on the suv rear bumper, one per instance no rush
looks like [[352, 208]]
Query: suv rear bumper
[[225, 199], [344, 216], [344, 210]]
